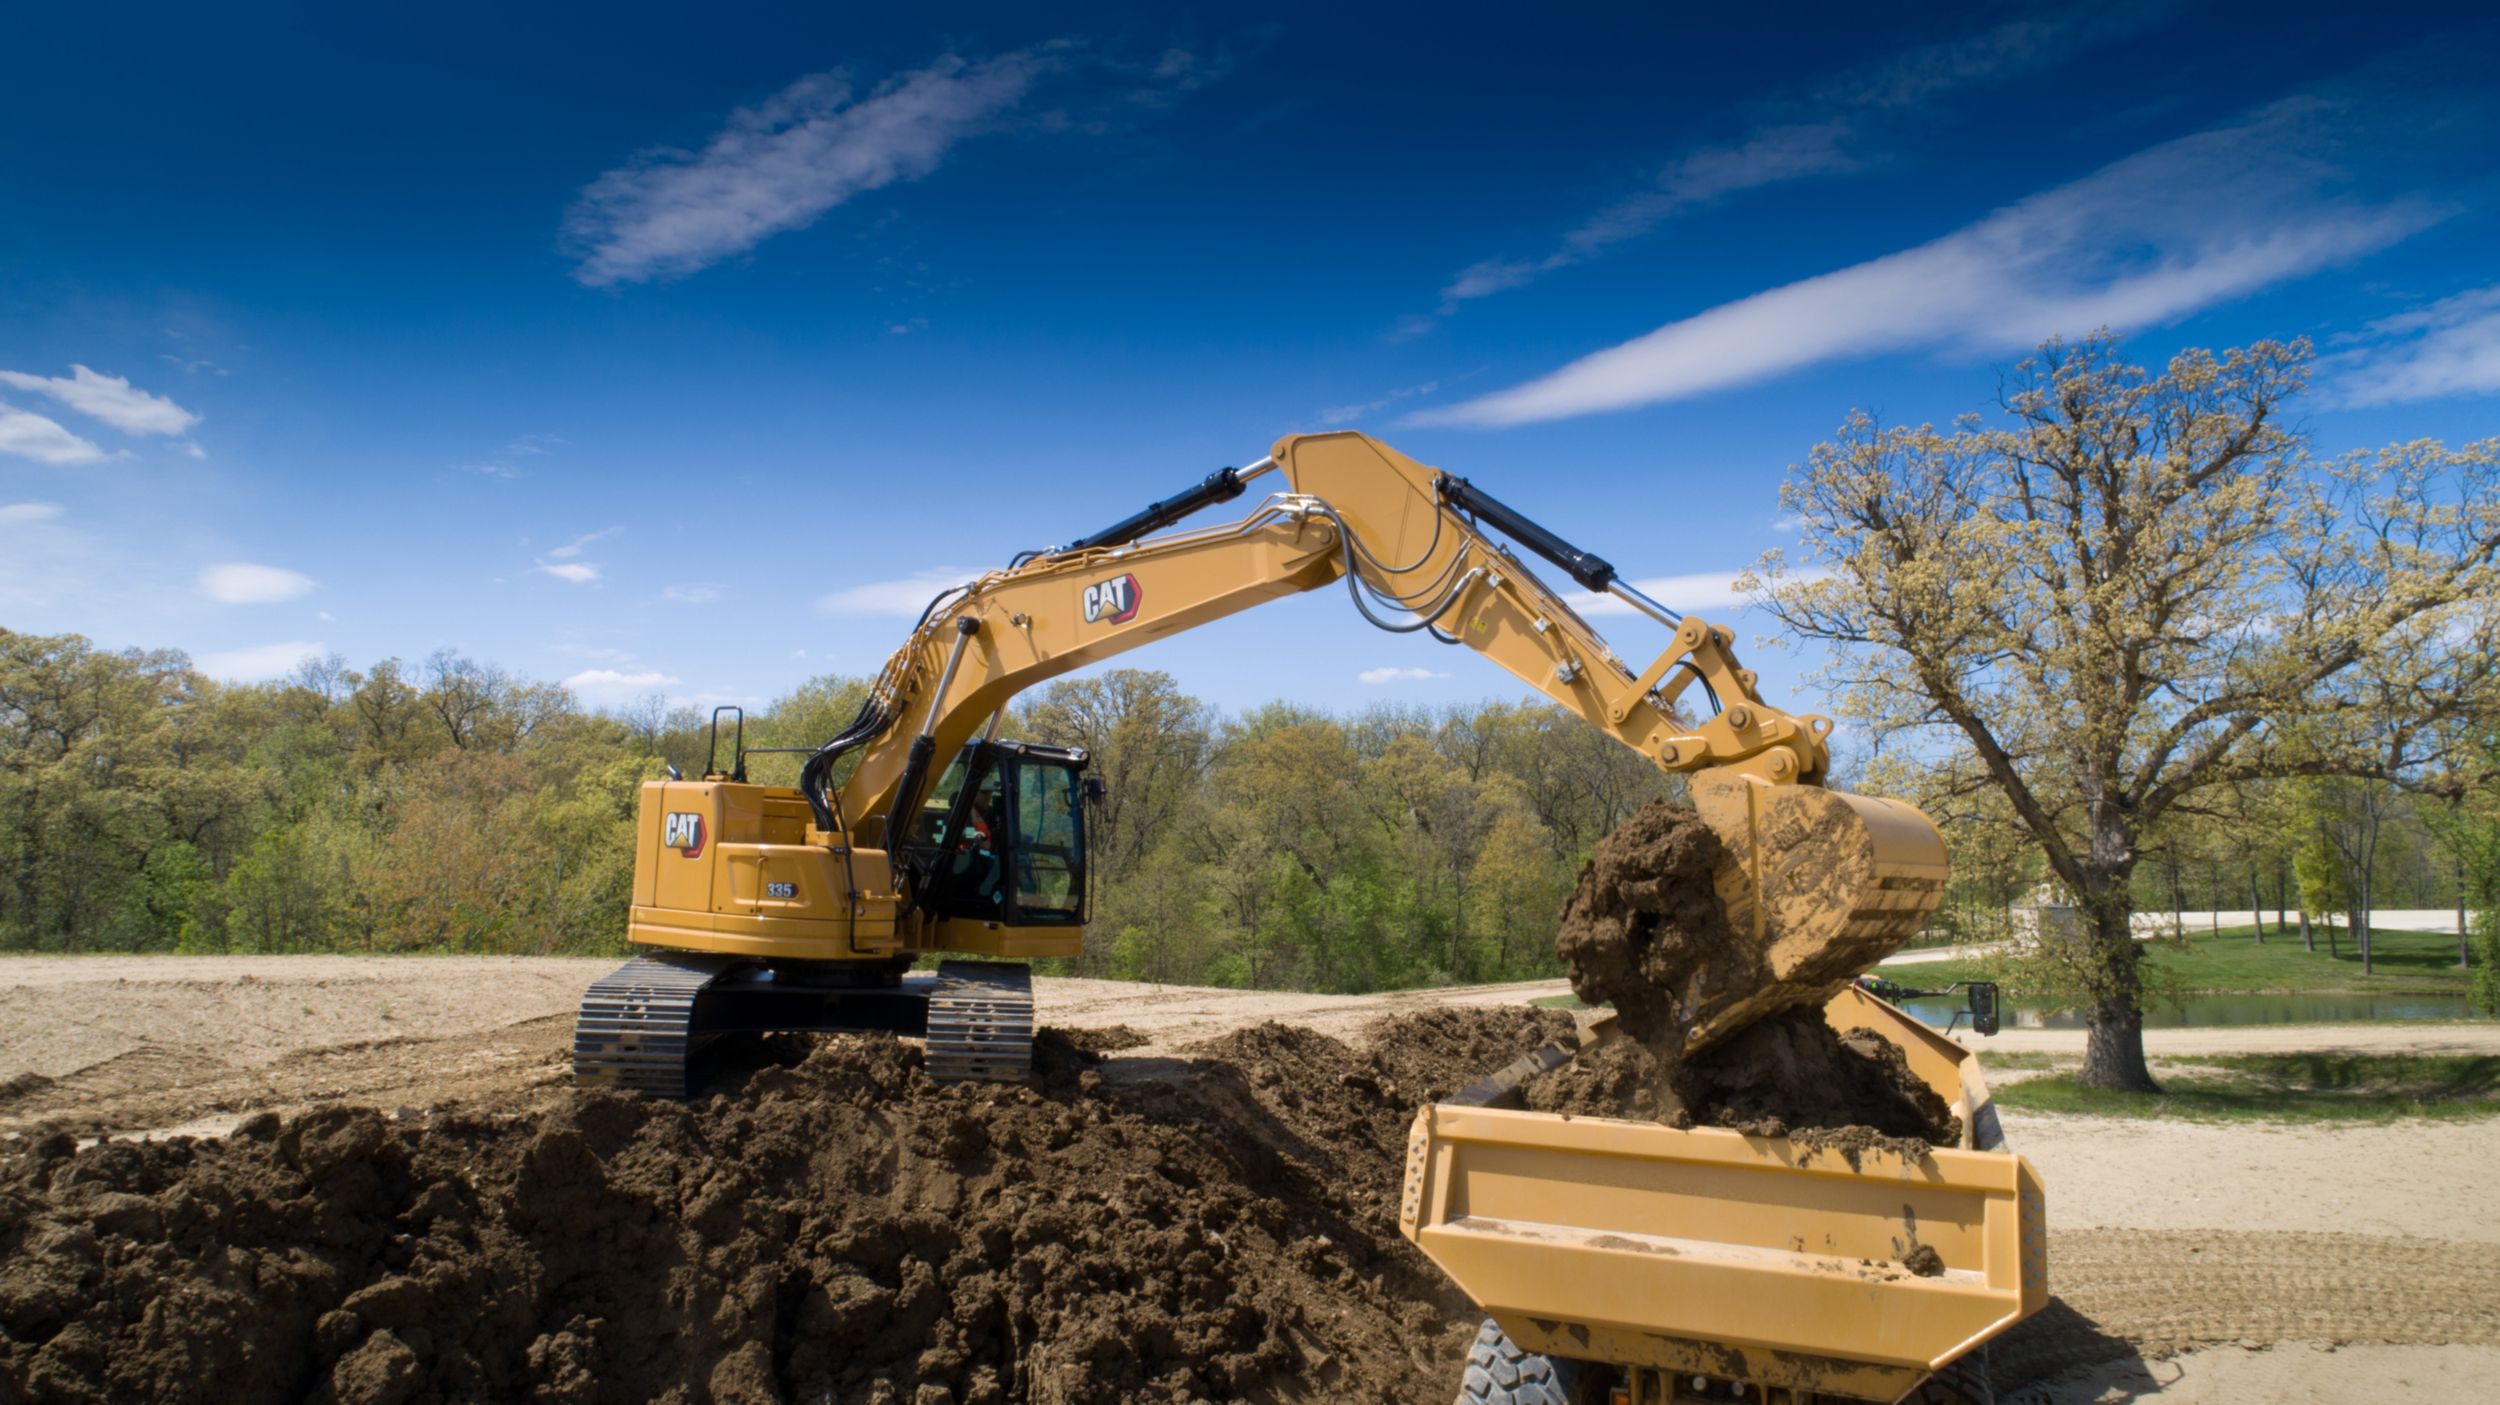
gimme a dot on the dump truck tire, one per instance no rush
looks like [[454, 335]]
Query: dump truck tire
[[1499, 1373]]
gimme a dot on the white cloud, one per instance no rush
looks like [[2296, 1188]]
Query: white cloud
[[1377, 676], [243, 583], [573, 572], [31, 436], [193, 450], [608, 684], [2451, 347], [1792, 148], [1695, 593], [780, 165], [1787, 522], [13, 514], [260, 661], [697, 593], [906, 597], [1347, 414], [576, 546], [2161, 234], [108, 398]]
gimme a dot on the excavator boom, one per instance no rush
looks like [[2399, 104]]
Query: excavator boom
[[800, 902]]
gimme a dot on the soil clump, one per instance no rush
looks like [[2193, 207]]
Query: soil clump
[[1644, 929], [827, 1225]]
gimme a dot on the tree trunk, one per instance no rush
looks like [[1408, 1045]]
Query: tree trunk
[[2308, 938], [2463, 959], [2361, 926], [2256, 909], [2281, 900], [2334, 949], [2113, 1046]]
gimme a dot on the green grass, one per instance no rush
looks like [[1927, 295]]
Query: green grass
[[1561, 1002], [2306, 1087], [2231, 962]]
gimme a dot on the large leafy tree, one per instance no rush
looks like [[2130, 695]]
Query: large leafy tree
[[2132, 586]]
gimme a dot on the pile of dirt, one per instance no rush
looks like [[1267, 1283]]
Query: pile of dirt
[[829, 1225], [1791, 1075]]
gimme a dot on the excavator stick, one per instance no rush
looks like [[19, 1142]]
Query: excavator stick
[[1821, 884]]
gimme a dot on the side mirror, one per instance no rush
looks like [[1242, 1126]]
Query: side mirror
[[1983, 1006], [1095, 790]]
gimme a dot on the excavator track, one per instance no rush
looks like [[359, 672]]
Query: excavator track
[[636, 1030], [981, 1022]]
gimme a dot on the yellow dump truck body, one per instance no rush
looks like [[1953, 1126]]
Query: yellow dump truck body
[[1740, 1258]]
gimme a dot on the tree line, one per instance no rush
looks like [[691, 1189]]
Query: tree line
[[452, 806]]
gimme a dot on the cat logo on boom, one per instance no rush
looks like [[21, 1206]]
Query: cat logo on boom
[[1112, 601], [683, 832]]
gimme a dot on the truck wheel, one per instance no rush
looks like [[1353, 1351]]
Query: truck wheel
[[1499, 1373]]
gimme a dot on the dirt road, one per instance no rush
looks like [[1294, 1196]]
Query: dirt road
[[2184, 1240]]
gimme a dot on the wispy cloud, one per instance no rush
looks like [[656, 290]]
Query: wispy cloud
[[244, 583], [259, 661], [19, 513], [31, 436], [572, 572], [693, 593], [2173, 229], [1378, 676], [612, 685], [1348, 414], [111, 399], [1829, 130], [2450, 347], [582, 543], [906, 597], [783, 163], [1694, 593]]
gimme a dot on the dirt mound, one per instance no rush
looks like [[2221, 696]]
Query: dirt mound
[[1791, 1075], [829, 1225]]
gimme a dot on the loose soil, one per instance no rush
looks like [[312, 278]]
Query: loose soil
[[1791, 1075], [827, 1225], [1644, 929], [2350, 1235]]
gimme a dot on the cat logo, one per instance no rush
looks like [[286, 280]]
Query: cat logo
[[1113, 601], [683, 831]]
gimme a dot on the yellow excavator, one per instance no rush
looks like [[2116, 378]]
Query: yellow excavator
[[770, 908]]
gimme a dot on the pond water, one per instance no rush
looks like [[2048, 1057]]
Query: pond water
[[2202, 1011]]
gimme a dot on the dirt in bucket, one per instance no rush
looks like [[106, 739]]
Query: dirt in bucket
[[1644, 930]]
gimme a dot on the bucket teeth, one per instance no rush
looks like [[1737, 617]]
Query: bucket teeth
[[981, 1023]]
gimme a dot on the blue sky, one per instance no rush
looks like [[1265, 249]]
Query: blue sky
[[683, 359]]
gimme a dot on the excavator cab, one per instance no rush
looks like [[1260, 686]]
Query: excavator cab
[[1002, 836]]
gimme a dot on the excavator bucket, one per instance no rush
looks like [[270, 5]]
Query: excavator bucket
[[1822, 884]]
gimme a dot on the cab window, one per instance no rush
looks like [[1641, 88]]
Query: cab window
[[1049, 844]]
